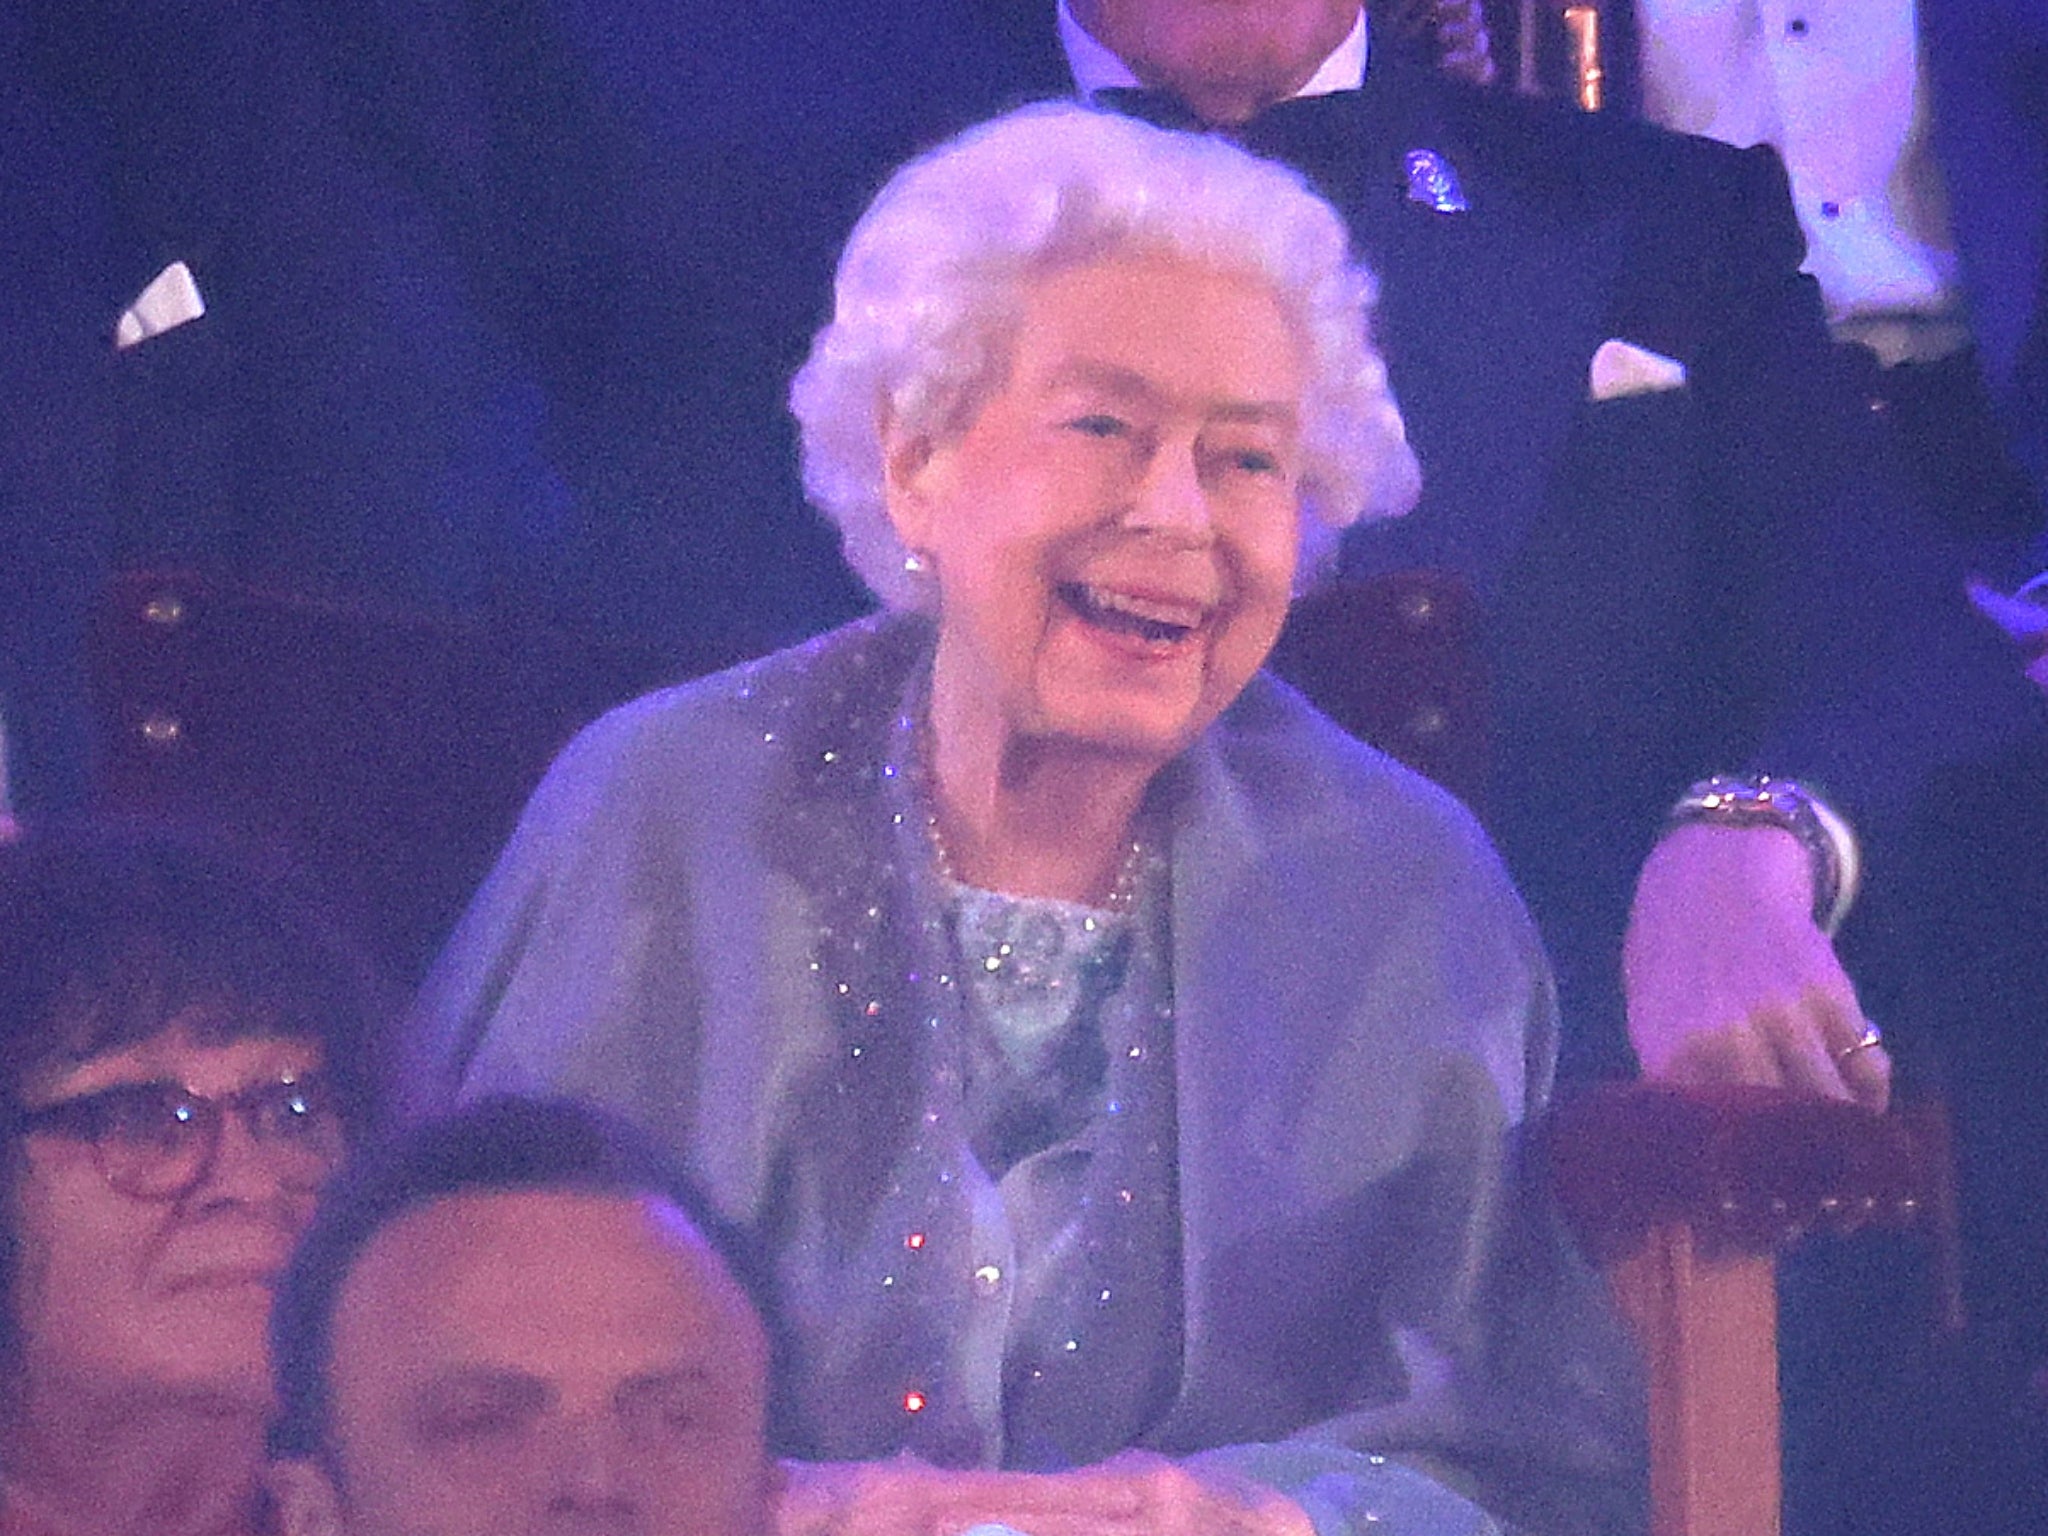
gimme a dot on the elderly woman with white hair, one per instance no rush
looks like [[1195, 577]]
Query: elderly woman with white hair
[[1106, 1051]]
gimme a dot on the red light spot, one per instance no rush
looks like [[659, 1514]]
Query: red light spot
[[913, 1401], [914, 1242]]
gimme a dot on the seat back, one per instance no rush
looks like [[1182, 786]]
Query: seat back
[[1396, 660], [388, 749]]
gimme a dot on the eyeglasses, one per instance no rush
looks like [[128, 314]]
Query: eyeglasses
[[157, 1140]]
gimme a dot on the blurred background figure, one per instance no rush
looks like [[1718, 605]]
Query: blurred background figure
[[514, 1321], [1963, 929], [1455, 30], [184, 1054]]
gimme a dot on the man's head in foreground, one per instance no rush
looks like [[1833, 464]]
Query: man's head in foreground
[[507, 1323]]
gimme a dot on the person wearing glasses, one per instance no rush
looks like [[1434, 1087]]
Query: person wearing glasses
[[183, 1053]]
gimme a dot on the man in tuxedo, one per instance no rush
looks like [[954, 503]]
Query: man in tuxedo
[[1675, 580]]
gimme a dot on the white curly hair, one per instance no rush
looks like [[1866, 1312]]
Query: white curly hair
[[934, 279]]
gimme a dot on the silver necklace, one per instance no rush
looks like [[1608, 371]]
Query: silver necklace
[[1123, 893]]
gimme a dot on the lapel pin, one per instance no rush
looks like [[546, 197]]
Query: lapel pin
[[1433, 182]]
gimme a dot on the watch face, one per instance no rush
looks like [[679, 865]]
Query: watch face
[[1761, 798], [1746, 802]]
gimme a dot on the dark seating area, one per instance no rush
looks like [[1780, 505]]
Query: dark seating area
[[386, 749]]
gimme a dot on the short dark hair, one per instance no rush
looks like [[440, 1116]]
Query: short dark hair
[[504, 1143], [110, 930]]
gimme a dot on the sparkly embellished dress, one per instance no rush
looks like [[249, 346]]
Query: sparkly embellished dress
[[1039, 1182]]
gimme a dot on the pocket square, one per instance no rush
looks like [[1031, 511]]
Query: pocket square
[[1621, 368], [171, 299]]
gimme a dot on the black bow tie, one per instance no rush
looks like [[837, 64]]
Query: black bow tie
[[1334, 138], [1162, 109]]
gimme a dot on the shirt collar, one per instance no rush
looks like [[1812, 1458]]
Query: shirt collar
[[1095, 68]]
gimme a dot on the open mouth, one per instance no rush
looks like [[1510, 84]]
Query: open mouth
[[1156, 621]]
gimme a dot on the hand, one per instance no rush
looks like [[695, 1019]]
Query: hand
[[1729, 980], [1133, 1494]]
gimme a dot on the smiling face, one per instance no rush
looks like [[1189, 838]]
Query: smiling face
[[523, 1362], [1227, 59], [116, 1295], [1115, 531]]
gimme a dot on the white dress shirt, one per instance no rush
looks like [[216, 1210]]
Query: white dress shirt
[[1837, 86]]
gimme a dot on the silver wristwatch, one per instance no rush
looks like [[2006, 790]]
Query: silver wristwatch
[[1736, 800]]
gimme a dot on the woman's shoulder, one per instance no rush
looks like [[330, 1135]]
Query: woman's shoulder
[[1278, 730], [1362, 868], [741, 721]]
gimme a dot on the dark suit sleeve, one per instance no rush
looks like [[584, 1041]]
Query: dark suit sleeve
[[1714, 278], [1987, 66], [1831, 636]]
